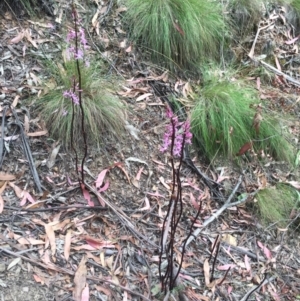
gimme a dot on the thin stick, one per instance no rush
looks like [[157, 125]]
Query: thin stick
[[23, 210], [287, 77], [226, 205], [263, 282], [251, 53]]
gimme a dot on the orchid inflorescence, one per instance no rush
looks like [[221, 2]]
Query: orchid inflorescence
[[72, 95], [177, 134], [71, 38], [77, 44]]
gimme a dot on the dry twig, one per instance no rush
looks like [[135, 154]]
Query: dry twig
[[226, 205]]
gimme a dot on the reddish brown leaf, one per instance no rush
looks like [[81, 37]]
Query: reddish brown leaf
[[178, 28], [244, 148], [266, 251], [87, 195], [98, 243]]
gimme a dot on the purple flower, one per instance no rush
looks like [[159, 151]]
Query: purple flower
[[73, 96], [180, 132], [78, 55], [82, 44], [82, 38], [71, 36]]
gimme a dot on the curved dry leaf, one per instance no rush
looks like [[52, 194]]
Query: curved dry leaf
[[37, 134], [225, 267], [101, 177], [80, 280], [51, 236], [132, 130], [26, 124], [85, 295], [14, 262], [95, 18], [27, 34], [86, 195], [104, 187], [18, 38], [15, 101], [193, 201], [142, 97], [147, 205], [27, 197], [67, 245], [18, 191], [244, 148], [247, 264], [1, 199], [6, 177], [51, 161], [178, 28], [265, 250], [98, 243], [27, 240], [206, 272], [1, 204], [124, 171]]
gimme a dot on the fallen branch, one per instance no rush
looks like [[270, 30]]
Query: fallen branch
[[251, 53], [27, 151], [24, 210], [226, 205], [273, 69]]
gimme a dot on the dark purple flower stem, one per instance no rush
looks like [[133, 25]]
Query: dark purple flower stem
[[81, 179], [176, 136]]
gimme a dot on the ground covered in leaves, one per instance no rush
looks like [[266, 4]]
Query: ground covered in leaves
[[55, 247]]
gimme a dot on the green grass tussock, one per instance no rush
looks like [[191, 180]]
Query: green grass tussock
[[103, 111], [177, 32], [222, 120], [275, 204], [295, 4]]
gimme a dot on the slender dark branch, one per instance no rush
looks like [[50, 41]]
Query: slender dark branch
[[27, 151], [72, 132], [213, 247], [185, 241], [225, 276], [170, 214], [246, 297], [214, 262], [80, 95], [22, 210], [79, 91], [2, 135]]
